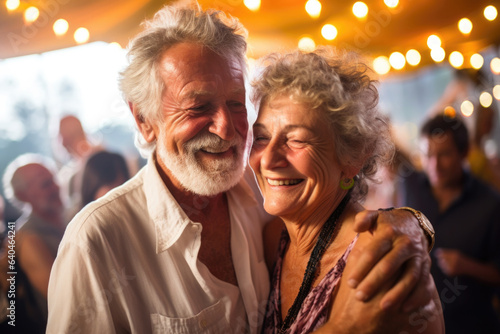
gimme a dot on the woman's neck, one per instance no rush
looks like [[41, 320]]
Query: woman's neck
[[304, 230]]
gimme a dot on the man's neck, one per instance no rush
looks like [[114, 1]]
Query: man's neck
[[446, 195]]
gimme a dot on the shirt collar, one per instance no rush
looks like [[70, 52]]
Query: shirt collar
[[168, 217]]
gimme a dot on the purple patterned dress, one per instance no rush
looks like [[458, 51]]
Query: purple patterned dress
[[316, 307]]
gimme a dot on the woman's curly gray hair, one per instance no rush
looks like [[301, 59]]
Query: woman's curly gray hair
[[336, 82], [141, 82]]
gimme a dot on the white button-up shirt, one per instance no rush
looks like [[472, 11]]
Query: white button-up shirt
[[128, 264]]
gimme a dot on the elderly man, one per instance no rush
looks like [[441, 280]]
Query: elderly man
[[178, 248], [29, 185]]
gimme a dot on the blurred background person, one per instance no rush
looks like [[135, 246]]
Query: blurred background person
[[79, 147], [29, 184], [466, 217], [103, 171]]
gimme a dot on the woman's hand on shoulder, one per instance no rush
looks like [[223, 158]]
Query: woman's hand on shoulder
[[349, 314]]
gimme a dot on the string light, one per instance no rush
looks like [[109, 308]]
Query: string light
[[60, 27], [456, 59], [391, 3], [397, 60], [329, 32], [465, 26], [467, 108], [485, 99], [450, 112], [31, 14], [381, 65], [495, 65], [433, 42], [81, 35], [313, 8], [12, 4], [490, 13], [307, 44], [360, 9], [496, 92], [476, 61], [253, 5], [413, 57], [438, 54]]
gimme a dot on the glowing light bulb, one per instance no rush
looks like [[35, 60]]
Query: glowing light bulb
[[307, 44], [329, 32], [253, 5], [495, 65], [391, 3], [31, 14], [485, 99], [313, 8], [467, 108], [465, 26], [450, 112], [12, 4], [381, 65], [413, 57], [496, 92], [456, 59], [81, 35], [60, 27], [433, 42], [397, 60], [438, 54], [476, 61], [360, 9], [490, 13]]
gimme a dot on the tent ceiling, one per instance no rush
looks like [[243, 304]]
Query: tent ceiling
[[277, 25]]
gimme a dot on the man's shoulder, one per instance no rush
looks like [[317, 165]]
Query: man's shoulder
[[108, 214]]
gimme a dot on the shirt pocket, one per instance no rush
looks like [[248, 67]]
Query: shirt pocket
[[210, 320]]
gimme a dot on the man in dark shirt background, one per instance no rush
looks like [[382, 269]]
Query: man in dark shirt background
[[466, 218]]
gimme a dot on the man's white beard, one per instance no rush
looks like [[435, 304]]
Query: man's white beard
[[205, 179]]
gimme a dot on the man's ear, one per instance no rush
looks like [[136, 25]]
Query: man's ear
[[144, 126]]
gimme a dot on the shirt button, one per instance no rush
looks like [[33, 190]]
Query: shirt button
[[203, 323]]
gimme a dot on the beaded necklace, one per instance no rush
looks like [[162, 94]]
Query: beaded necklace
[[324, 240]]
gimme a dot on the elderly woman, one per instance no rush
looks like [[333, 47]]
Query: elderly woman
[[318, 136]]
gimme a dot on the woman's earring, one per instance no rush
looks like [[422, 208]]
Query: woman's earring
[[346, 183]]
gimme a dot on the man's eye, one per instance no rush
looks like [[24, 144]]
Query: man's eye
[[236, 106], [200, 108]]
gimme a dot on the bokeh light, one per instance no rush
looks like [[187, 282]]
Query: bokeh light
[[476, 61], [413, 57], [253, 5], [397, 60], [485, 99], [490, 13], [329, 32], [360, 9], [433, 42], [465, 26], [81, 35], [313, 8], [438, 54], [467, 108], [456, 59], [31, 14], [60, 27], [307, 44], [381, 65]]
